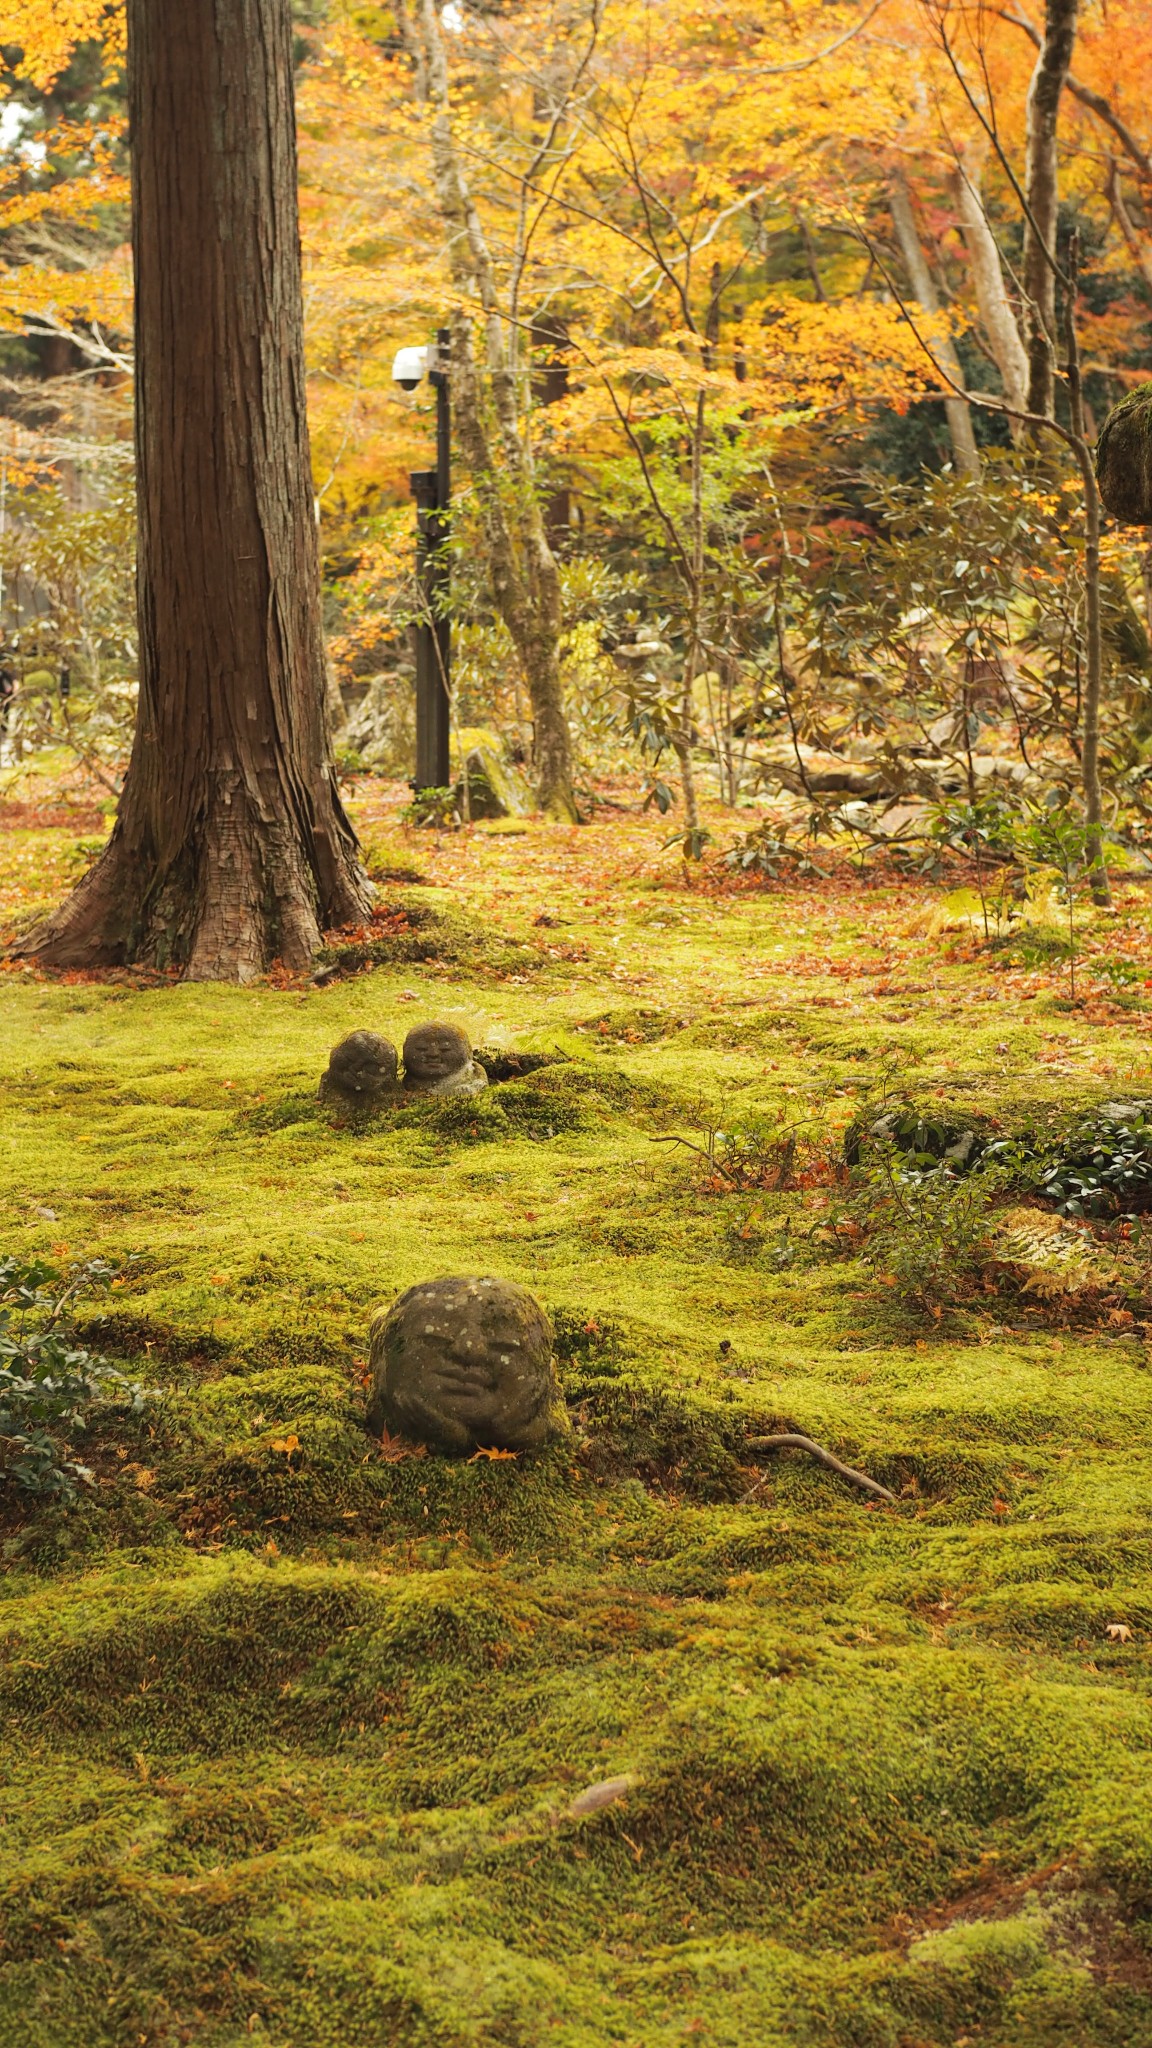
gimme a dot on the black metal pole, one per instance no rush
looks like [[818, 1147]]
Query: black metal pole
[[441, 566], [431, 756]]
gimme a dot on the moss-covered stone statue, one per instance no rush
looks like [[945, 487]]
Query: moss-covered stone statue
[[361, 1071], [466, 1365], [438, 1061], [1124, 459]]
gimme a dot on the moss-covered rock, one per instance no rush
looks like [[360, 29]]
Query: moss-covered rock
[[1124, 459]]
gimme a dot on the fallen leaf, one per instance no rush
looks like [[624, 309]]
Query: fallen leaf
[[394, 1448], [605, 1793], [1119, 1632], [484, 1452], [287, 1444]]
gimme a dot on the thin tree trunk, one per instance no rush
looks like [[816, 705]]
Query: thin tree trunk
[[525, 574], [1094, 650], [682, 747], [1139, 249], [231, 848], [525, 584], [996, 314], [1042, 193], [1094, 101], [550, 339], [684, 738], [956, 411]]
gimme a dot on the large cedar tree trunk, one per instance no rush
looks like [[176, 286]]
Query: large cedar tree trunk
[[231, 848]]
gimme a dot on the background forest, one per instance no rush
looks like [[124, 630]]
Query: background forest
[[715, 283]]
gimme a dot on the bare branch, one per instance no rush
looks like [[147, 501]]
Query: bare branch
[[792, 1442], [806, 63]]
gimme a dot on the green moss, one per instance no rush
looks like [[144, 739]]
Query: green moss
[[293, 1725]]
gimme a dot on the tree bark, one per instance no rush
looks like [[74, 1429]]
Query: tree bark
[[956, 410], [231, 848], [1042, 194], [996, 313]]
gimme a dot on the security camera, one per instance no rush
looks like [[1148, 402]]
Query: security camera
[[409, 366]]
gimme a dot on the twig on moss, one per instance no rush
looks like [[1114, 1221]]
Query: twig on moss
[[815, 1450]]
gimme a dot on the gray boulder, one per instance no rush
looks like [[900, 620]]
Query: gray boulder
[[495, 788]]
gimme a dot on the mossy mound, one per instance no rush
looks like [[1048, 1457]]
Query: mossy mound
[[315, 1795], [410, 930]]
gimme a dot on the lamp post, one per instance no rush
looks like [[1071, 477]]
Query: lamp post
[[432, 490]]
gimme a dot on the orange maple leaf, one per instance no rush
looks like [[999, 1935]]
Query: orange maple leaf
[[394, 1448]]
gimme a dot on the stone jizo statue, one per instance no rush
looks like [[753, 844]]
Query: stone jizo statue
[[361, 1070], [464, 1365], [438, 1061]]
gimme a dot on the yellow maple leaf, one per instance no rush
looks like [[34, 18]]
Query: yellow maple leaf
[[485, 1452]]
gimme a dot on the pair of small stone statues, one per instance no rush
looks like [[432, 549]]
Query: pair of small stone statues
[[364, 1068]]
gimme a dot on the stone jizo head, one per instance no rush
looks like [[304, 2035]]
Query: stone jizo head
[[361, 1069], [464, 1364], [438, 1061]]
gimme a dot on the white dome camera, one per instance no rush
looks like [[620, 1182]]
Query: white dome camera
[[409, 366]]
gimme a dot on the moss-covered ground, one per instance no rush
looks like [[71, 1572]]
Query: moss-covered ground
[[294, 1724]]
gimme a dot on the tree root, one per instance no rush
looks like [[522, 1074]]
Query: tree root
[[815, 1450]]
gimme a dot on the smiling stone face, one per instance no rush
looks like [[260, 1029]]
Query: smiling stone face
[[438, 1061], [462, 1364], [361, 1069]]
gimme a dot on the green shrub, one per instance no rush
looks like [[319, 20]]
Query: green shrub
[[926, 1231], [1102, 1166], [52, 1390]]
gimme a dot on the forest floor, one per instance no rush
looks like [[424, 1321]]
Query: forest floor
[[295, 1724]]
